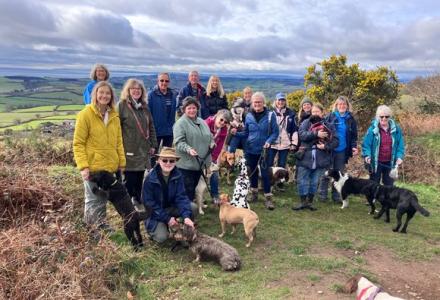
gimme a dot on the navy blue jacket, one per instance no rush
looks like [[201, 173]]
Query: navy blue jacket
[[214, 103], [309, 140], [153, 197], [163, 118], [351, 134], [201, 96], [259, 133]]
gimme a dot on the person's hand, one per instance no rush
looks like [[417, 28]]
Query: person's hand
[[85, 173], [266, 145], [172, 222], [152, 151], [193, 152], [355, 151], [188, 222], [399, 161], [233, 131], [321, 146], [368, 159], [322, 134]]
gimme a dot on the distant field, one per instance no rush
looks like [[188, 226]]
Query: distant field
[[10, 118], [56, 95], [30, 125], [37, 109], [71, 107], [7, 85], [60, 117]]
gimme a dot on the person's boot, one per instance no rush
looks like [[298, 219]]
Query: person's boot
[[310, 202], [302, 203], [268, 202], [253, 196]]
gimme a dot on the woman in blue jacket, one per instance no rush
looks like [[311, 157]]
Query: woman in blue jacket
[[346, 128], [383, 147], [261, 130], [164, 192], [318, 139], [99, 73]]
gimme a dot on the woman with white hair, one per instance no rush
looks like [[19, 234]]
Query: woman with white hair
[[261, 131], [383, 147]]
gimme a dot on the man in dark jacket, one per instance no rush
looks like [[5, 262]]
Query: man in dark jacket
[[196, 90], [162, 104], [164, 193]]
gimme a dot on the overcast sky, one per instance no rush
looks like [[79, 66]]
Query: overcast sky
[[210, 35]]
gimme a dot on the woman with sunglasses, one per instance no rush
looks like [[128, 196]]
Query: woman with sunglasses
[[215, 95], [383, 147], [218, 126], [164, 192], [162, 104]]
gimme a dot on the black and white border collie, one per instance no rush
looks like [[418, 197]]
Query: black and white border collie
[[347, 185]]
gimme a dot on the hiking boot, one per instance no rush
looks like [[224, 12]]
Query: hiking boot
[[268, 202], [302, 204], [253, 196], [216, 201], [310, 201]]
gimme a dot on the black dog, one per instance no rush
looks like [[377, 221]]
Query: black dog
[[346, 185], [119, 197], [403, 200]]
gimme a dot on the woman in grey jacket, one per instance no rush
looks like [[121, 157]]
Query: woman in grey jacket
[[138, 134], [193, 141]]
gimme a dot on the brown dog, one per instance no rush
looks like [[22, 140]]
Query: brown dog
[[226, 160], [237, 215]]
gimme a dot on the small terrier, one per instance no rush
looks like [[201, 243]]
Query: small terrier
[[226, 161], [206, 247], [366, 290], [229, 214]]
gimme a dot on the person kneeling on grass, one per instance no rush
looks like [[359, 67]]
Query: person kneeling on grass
[[164, 192]]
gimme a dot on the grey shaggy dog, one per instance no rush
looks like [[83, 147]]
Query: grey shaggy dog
[[208, 248]]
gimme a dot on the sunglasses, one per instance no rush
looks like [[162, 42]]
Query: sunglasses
[[384, 117], [164, 80], [223, 120], [166, 161]]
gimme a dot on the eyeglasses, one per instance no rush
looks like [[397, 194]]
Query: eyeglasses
[[384, 117], [164, 80], [170, 161]]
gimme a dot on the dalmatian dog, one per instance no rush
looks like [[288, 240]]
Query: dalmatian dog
[[242, 186]]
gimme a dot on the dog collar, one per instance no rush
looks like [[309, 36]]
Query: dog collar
[[374, 294]]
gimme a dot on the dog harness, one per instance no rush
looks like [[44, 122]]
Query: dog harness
[[372, 295]]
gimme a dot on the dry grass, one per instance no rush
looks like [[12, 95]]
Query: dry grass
[[418, 124]]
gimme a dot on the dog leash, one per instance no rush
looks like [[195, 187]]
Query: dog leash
[[201, 162], [261, 161]]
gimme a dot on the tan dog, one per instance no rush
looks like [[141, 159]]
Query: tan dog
[[237, 215], [226, 160]]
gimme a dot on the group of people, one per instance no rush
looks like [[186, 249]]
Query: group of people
[[125, 138]]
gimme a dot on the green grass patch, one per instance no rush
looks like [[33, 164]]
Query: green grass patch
[[71, 107], [16, 118], [8, 85], [430, 141], [46, 108], [56, 95], [319, 243]]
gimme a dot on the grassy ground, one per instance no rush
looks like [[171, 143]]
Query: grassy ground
[[287, 243]]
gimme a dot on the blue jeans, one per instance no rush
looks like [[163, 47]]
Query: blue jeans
[[383, 171], [308, 180], [282, 157], [213, 182], [236, 142], [252, 161], [338, 163]]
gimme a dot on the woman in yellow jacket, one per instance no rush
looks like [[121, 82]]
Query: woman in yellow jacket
[[97, 146]]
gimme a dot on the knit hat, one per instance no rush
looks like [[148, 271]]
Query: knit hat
[[305, 100], [188, 101], [168, 152]]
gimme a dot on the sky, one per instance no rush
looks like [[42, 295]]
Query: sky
[[219, 36]]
